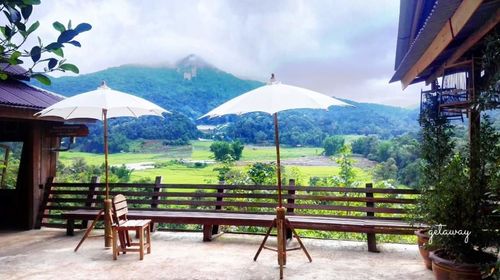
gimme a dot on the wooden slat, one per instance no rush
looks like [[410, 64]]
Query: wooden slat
[[245, 187]]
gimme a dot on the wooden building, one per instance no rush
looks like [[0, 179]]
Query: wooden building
[[28, 148], [442, 43]]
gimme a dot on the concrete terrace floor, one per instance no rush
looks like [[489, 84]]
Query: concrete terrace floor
[[48, 254]]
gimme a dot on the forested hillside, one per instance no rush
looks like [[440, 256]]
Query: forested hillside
[[192, 87]]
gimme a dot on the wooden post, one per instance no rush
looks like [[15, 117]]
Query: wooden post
[[474, 131], [154, 199], [220, 190], [290, 208], [108, 235], [91, 196], [372, 241], [43, 204]]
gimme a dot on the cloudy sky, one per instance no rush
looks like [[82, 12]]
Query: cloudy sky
[[341, 48]]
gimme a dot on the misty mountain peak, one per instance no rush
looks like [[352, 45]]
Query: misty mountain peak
[[191, 61]]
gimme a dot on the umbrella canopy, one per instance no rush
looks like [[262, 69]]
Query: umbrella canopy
[[90, 105], [273, 98], [101, 104]]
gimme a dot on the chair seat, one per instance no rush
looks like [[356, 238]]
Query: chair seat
[[135, 223]]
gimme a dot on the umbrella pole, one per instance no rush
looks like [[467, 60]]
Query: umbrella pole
[[278, 161], [280, 211], [107, 201], [281, 223]]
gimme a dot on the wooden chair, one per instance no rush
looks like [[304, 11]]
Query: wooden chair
[[121, 227]]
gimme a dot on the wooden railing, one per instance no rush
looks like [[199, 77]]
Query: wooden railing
[[367, 202]]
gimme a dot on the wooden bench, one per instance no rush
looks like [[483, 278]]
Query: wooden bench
[[365, 210]]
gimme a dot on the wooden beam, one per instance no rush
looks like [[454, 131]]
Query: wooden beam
[[466, 45], [457, 21]]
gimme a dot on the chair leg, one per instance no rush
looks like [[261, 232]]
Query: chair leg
[[141, 244], [148, 236], [115, 244], [127, 235]]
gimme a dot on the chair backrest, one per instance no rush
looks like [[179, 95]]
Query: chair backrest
[[120, 208]]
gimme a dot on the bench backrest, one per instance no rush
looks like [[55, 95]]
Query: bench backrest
[[360, 202]]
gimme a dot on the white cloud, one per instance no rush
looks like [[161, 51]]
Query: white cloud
[[342, 48]]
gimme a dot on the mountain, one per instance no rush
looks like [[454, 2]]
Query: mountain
[[191, 87]]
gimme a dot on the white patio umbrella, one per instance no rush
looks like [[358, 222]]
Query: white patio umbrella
[[102, 104], [271, 99]]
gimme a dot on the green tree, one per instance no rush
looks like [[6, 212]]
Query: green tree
[[222, 150], [332, 145], [15, 33], [262, 173], [237, 149], [365, 145], [386, 170], [346, 175]]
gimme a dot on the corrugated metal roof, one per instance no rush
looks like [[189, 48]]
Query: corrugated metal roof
[[409, 26], [14, 71], [15, 93], [442, 11]]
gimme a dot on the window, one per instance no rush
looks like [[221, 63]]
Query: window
[[10, 159]]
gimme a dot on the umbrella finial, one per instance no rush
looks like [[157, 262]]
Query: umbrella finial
[[103, 85], [272, 80]]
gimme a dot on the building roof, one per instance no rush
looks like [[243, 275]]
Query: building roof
[[428, 25], [14, 71], [432, 24], [14, 93]]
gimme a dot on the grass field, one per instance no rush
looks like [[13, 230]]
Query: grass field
[[200, 151]]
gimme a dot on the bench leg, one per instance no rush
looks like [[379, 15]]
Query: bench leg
[[70, 227], [372, 243], [215, 229], [153, 226], [207, 233]]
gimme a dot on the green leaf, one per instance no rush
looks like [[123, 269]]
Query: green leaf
[[21, 26], [31, 2], [15, 16], [75, 43], [33, 27], [42, 79], [66, 36], [70, 67], [26, 11], [39, 40], [13, 60], [82, 27], [58, 52], [53, 46], [59, 26], [35, 53], [8, 32], [52, 63], [3, 76], [69, 24]]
